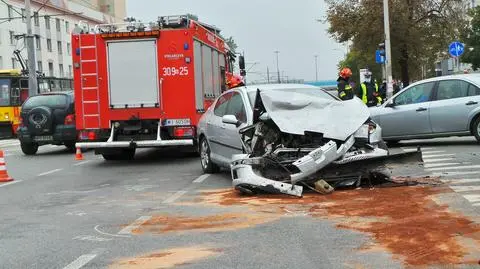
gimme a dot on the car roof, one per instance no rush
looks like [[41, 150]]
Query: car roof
[[469, 77], [277, 86]]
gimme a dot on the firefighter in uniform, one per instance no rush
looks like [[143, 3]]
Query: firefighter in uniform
[[345, 90], [368, 91]]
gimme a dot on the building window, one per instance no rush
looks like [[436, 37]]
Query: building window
[[50, 69], [47, 22], [40, 66], [10, 12], [62, 74], [1, 62], [59, 45], [57, 22], [36, 20], [14, 63], [24, 19], [70, 70], [12, 38], [38, 42], [49, 44], [69, 49], [67, 27]]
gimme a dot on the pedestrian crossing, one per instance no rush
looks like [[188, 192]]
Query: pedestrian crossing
[[9, 143], [462, 177]]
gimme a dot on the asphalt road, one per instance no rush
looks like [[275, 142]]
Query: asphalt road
[[160, 211]]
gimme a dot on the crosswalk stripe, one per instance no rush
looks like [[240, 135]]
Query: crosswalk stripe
[[476, 204], [426, 156], [455, 173], [437, 160], [473, 198], [465, 188], [455, 168], [462, 181], [428, 152], [438, 164]]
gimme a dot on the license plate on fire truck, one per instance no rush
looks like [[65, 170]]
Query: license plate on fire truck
[[177, 122]]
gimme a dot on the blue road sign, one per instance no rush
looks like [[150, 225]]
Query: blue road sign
[[379, 58], [456, 49]]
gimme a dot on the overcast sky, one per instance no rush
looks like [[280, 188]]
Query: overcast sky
[[260, 27]]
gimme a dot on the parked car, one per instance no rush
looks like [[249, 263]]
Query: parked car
[[305, 119], [437, 107], [47, 119]]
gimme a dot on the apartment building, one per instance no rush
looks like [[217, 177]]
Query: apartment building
[[52, 25]]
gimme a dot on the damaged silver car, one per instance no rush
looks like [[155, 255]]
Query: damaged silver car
[[280, 138]]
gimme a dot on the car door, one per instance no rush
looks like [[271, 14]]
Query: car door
[[231, 138], [450, 110], [215, 126], [409, 115]]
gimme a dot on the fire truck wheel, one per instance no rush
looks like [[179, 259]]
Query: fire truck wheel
[[207, 165], [29, 148]]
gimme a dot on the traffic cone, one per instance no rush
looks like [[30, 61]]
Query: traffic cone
[[4, 177], [79, 155]]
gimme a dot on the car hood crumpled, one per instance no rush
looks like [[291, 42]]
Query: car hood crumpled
[[297, 112]]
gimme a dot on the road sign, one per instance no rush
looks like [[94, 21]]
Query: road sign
[[456, 49], [379, 58]]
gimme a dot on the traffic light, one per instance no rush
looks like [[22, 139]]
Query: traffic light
[[381, 48]]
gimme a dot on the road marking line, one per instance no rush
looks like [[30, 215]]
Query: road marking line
[[465, 188], [201, 178], [421, 148], [80, 261], [446, 174], [437, 160], [439, 164], [82, 163], [463, 181], [135, 225], [50, 172], [104, 233], [455, 168], [174, 197], [427, 156], [473, 198], [10, 183], [476, 204], [433, 151]]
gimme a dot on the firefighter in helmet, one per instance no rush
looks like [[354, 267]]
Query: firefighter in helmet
[[234, 81], [368, 91], [345, 90]]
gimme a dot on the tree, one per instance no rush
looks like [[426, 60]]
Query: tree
[[231, 43], [419, 29], [471, 36]]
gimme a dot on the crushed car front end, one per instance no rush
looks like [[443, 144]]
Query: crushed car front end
[[285, 153]]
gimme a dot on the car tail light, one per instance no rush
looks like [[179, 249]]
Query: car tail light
[[87, 135], [92, 135], [70, 119], [184, 131]]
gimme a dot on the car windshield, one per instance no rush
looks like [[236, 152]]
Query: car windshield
[[315, 92], [52, 101]]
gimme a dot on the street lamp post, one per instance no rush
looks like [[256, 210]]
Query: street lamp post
[[316, 68], [388, 62], [278, 69]]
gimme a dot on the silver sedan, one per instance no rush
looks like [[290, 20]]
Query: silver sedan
[[437, 107]]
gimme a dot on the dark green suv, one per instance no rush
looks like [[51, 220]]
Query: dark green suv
[[47, 119]]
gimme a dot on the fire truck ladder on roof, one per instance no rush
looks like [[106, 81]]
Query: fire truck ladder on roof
[[89, 82]]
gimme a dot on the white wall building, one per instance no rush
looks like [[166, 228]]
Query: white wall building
[[52, 25]]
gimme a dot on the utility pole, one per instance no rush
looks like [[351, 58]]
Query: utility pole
[[278, 69], [268, 76], [32, 70], [316, 68], [388, 52]]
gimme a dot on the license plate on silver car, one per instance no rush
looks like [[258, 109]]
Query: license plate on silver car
[[177, 122], [43, 138]]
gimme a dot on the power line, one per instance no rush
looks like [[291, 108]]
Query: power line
[[42, 6]]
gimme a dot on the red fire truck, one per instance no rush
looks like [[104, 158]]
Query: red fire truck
[[146, 85]]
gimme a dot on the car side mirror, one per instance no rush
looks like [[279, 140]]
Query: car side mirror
[[231, 119], [390, 104]]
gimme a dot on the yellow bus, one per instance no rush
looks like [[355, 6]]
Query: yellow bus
[[14, 91]]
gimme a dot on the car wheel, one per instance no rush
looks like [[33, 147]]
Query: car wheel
[[207, 165], [476, 129], [29, 148]]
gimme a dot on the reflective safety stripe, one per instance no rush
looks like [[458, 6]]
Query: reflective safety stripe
[[348, 87], [364, 93], [342, 94]]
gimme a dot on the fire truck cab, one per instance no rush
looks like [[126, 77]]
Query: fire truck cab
[[146, 85]]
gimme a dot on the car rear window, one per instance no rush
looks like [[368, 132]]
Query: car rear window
[[51, 101]]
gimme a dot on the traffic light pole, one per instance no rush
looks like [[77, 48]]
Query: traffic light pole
[[388, 60], [32, 74]]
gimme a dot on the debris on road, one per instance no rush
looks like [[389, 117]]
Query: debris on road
[[298, 138], [167, 258]]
